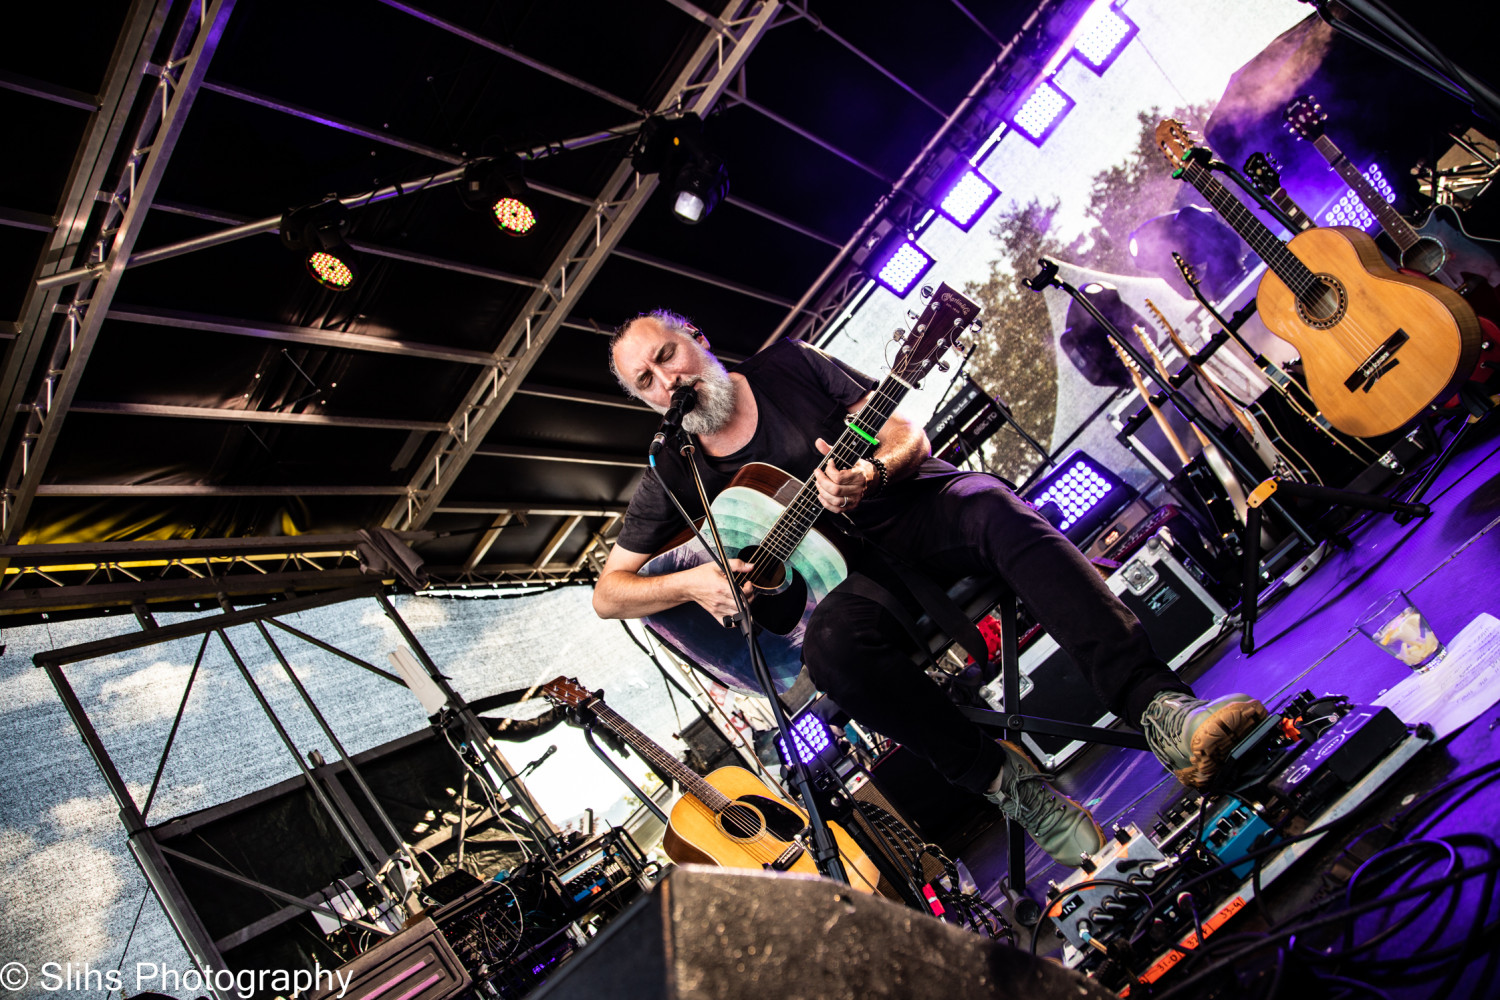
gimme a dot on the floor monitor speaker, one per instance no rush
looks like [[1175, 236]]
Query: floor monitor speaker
[[732, 935]]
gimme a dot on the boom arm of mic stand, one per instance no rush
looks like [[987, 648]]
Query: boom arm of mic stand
[[825, 851]]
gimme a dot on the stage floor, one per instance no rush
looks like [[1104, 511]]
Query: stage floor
[[1450, 565]]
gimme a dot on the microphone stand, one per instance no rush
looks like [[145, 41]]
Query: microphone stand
[[1046, 277], [825, 852]]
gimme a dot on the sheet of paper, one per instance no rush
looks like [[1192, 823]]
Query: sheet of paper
[[1457, 690]]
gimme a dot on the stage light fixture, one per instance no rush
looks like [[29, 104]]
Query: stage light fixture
[[1102, 36], [967, 193], [898, 263], [701, 183], [317, 233], [1084, 491], [1351, 211], [811, 735], [496, 186], [1043, 110]]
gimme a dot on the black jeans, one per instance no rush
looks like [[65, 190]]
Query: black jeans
[[956, 527]]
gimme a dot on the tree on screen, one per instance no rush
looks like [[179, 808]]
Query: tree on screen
[[1014, 356]]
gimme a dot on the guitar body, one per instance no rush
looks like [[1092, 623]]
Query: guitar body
[[1382, 345], [745, 511], [753, 832], [1446, 249]]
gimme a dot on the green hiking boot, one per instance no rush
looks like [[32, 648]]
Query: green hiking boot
[[1062, 827], [1191, 737]]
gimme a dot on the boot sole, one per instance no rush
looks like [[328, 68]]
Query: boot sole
[[1213, 740], [1098, 830]]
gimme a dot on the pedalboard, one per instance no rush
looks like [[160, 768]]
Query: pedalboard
[[1136, 907]]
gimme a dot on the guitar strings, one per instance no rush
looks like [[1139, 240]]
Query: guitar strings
[[1279, 257]]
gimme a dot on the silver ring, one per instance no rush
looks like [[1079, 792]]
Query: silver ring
[[843, 502]]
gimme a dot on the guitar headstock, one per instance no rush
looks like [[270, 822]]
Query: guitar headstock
[[567, 692], [1188, 274], [934, 332], [1305, 117], [1176, 143], [1262, 172]]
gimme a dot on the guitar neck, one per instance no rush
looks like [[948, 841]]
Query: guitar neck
[[1282, 262], [1397, 228], [648, 748], [855, 443]]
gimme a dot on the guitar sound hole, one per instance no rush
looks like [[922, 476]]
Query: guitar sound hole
[[769, 573], [1426, 256], [741, 821], [1326, 305]]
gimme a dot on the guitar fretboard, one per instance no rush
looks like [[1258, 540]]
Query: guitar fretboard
[[685, 776], [798, 518], [1282, 262], [1397, 228]]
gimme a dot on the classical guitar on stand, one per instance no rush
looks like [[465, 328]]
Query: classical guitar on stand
[[729, 818], [1377, 346], [767, 517]]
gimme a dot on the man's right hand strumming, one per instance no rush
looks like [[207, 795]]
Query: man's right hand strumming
[[707, 586]]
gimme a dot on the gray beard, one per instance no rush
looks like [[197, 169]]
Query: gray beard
[[716, 400]]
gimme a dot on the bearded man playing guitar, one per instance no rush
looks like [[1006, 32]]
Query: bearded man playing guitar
[[781, 407]]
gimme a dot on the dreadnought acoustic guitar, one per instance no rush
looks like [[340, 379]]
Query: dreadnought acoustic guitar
[[766, 517], [1437, 245], [1377, 346], [729, 818]]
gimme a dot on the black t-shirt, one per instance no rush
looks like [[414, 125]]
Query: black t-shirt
[[801, 394]]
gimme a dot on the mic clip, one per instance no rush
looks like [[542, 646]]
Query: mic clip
[[684, 401]]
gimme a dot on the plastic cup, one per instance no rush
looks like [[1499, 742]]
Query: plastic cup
[[1395, 625]]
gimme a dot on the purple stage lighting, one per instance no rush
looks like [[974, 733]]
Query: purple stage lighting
[[810, 733], [1350, 211], [901, 265], [968, 194], [1042, 111], [1085, 492], [1102, 35]]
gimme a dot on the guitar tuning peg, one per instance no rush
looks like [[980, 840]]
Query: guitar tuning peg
[[926, 291], [899, 335], [911, 314], [977, 325], [943, 366]]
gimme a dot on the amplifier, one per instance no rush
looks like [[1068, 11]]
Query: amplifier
[[417, 964], [869, 793], [1160, 584]]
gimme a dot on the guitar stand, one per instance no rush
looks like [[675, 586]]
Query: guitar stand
[[1480, 407], [824, 850], [1250, 586], [646, 800]]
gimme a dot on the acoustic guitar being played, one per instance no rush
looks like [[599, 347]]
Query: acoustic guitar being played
[[1377, 346], [729, 818]]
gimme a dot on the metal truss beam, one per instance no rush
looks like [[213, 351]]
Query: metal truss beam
[[192, 51], [486, 541], [718, 59], [543, 507], [582, 395], [703, 276], [19, 218], [512, 54], [553, 455], [139, 34], [780, 220], [55, 93], [823, 29], [823, 301], [810, 136], [205, 490], [175, 549], [92, 596], [309, 336], [556, 541], [252, 416]]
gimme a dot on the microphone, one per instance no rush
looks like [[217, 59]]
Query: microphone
[[540, 760], [684, 401]]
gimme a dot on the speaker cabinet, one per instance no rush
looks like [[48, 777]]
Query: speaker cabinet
[[714, 934]]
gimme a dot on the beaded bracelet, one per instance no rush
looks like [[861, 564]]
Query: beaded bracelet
[[880, 476]]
